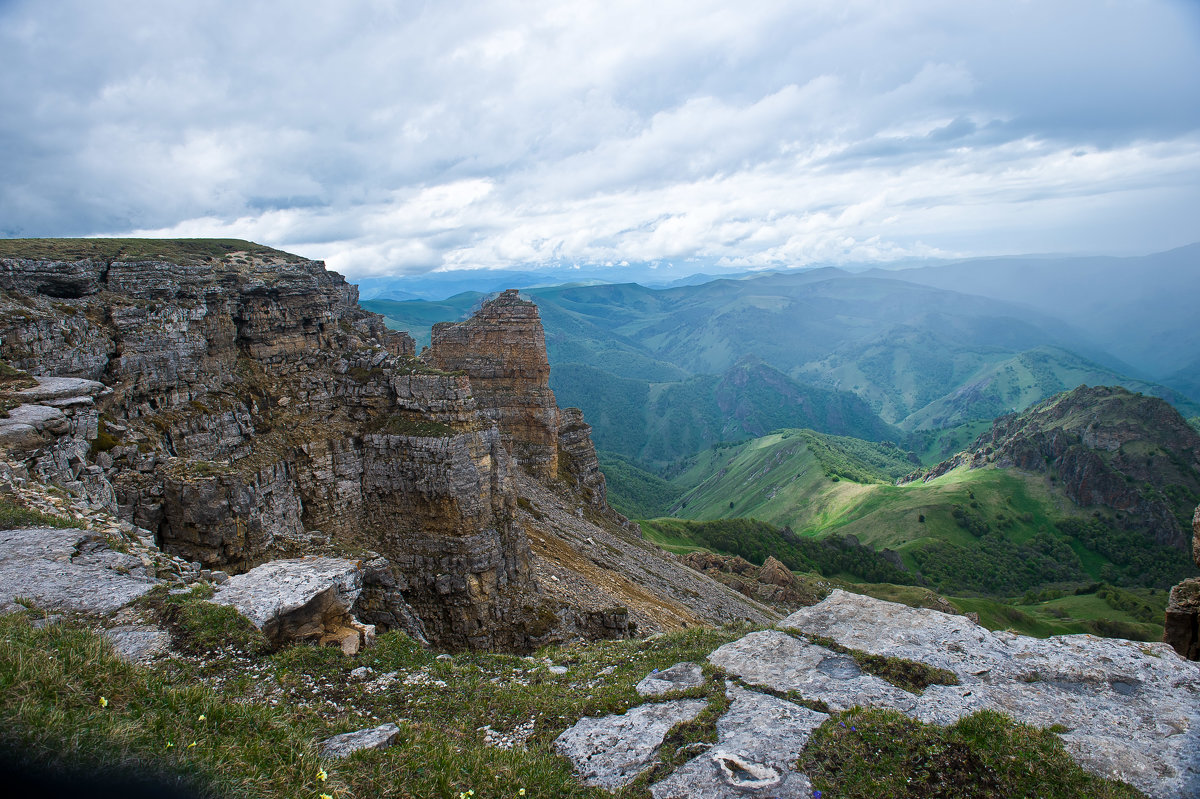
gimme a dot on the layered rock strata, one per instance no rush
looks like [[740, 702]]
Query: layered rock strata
[[247, 410], [244, 410], [502, 348], [1182, 624]]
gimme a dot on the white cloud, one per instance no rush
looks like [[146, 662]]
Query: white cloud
[[399, 139]]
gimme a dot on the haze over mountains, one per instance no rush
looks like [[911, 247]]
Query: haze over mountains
[[661, 372]]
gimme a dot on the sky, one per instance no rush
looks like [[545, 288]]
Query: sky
[[400, 138]]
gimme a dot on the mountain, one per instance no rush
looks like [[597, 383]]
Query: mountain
[[922, 358], [1139, 309], [658, 423], [1091, 484], [1018, 382]]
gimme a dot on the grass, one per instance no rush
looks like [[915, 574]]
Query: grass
[[14, 516], [172, 250], [866, 754], [909, 675], [255, 717]]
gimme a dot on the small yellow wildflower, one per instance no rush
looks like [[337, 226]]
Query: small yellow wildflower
[[202, 717], [169, 744], [322, 776], [325, 796], [103, 702], [521, 792]]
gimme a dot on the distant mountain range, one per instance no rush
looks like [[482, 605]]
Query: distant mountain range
[[879, 354]]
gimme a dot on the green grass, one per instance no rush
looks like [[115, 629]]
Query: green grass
[[867, 754], [172, 250], [254, 718], [14, 516]]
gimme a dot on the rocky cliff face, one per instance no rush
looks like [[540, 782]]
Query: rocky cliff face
[[1106, 447], [502, 349], [244, 409], [252, 411], [1182, 624]]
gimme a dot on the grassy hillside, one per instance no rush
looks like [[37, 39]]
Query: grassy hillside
[[1020, 381], [989, 531], [170, 250]]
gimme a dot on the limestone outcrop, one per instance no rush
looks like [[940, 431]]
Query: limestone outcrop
[[1182, 624], [244, 409], [502, 348], [1130, 710], [1125, 710], [301, 599], [247, 410]]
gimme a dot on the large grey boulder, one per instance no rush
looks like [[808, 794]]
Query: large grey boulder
[[610, 752], [784, 663], [301, 599], [1131, 709], [66, 570], [758, 740], [348, 743]]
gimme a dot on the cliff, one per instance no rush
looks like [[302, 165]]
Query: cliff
[[245, 410], [1104, 447]]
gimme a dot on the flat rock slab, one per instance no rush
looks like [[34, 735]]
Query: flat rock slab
[[57, 388], [610, 752], [296, 598], [679, 677], [348, 743], [44, 565], [138, 644], [758, 740], [784, 663], [1131, 709]]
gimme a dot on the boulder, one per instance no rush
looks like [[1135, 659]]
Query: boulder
[[303, 599], [64, 570], [679, 677], [348, 743], [610, 752], [1131, 710], [758, 740], [775, 573]]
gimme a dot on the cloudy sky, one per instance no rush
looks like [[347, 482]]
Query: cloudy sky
[[404, 137]]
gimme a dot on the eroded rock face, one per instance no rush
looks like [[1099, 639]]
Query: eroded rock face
[[1182, 624], [305, 599], [1131, 710], [502, 348], [246, 409]]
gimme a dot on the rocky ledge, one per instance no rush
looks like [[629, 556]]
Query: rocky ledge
[[243, 409], [1125, 710]]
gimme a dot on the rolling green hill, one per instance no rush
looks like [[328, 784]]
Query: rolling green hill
[[1103, 503]]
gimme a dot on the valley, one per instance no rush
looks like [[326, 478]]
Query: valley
[[810, 401]]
